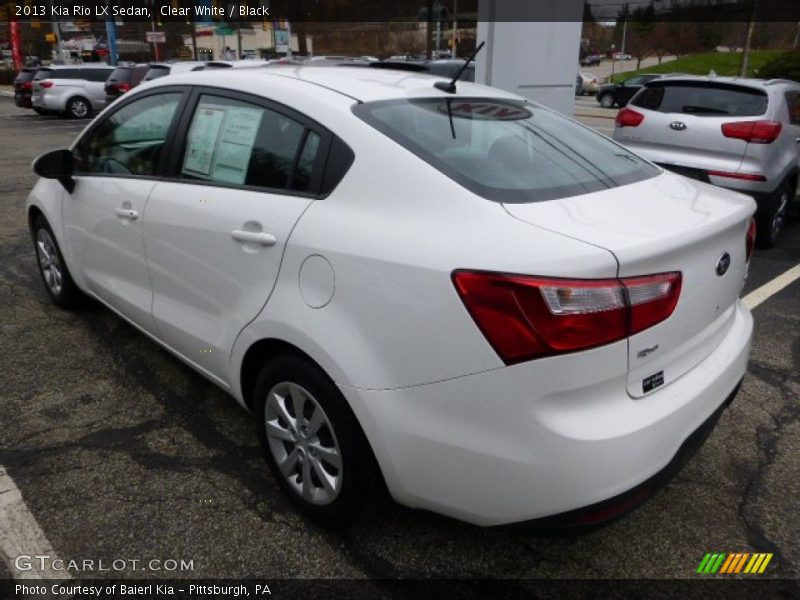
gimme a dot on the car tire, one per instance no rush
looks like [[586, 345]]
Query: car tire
[[607, 101], [78, 108], [772, 217], [325, 445], [53, 269]]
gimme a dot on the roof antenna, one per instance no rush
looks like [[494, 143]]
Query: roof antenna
[[450, 86]]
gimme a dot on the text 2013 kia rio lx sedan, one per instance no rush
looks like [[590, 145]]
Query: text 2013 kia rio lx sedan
[[500, 313]]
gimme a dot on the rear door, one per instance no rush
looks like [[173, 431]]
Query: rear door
[[216, 231], [682, 125]]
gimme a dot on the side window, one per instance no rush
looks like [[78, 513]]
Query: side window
[[96, 74], [235, 142], [793, 104], [129, 142]]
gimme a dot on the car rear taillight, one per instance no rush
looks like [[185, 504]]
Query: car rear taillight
[[525, 317], [46, 84], [27, 85], [123, 87], [628, 118], [754, 132], [750, 240], [742, 176]]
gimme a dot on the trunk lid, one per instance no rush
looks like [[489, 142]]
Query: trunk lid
[[664, 224]]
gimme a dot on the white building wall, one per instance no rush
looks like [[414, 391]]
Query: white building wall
[[535, 59]]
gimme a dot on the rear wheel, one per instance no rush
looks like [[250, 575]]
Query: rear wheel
[[55, 275], [78, 108], [607, 101], [312, 441], [773, 217]]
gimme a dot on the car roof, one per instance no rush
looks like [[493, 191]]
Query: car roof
[[364, 85], [761, 84], [82, 66]]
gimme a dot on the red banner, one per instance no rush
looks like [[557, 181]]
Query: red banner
[[16, 46]]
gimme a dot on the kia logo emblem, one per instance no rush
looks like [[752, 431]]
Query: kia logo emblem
[[723, 264], [678, 125]]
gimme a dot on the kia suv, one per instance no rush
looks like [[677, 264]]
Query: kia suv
[[742, 134]]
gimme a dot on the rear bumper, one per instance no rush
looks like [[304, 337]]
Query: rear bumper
[[23, 100], [545, 437]]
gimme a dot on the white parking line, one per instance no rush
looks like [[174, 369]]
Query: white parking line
[[20, 534], [772, 287]]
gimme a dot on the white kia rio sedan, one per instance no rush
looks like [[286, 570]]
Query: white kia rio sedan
[[499, 313]]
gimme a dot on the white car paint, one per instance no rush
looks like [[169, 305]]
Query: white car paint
[[454, 429]]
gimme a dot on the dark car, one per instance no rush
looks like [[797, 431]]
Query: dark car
[[447, 67], [23, 87], [619, 94], [124, 79], [591, 60]]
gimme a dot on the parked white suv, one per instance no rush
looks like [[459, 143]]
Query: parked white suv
[[76, 91], [500, 313], [742, 134]]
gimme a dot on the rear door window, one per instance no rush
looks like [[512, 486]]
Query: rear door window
[[24, 76], [702, 99], [238, 143]]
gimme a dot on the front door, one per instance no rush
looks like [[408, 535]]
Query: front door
[[116, 163]]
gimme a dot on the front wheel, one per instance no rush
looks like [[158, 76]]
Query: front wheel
[[772, 219], [607, 101], [312, 441], [55, 275]]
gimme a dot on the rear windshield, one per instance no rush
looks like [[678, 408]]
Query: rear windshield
[[42, 74], [24, 76], [702, 98], [121, 74], [506, 151], [156, 72]]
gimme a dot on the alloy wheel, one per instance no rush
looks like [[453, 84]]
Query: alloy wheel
[[303, 443], [49, 262], [79, 109], [780, 214]]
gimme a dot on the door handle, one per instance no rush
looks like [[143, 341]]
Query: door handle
[[258, 237], [127, 213]]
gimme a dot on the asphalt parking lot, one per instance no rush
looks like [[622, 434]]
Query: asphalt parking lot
[[120, 451]]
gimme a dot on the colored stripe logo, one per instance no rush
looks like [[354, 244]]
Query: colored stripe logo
[[733, 563]]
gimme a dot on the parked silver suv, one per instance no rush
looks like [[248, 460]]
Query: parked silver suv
[[742, 134], [75, 91]]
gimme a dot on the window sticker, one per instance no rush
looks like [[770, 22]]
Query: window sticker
[[221, 143], [235, 144], [203, 140]]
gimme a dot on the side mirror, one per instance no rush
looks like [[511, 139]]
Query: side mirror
[[56, 164]]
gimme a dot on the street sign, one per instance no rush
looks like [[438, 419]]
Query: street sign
[[224, 30], [156, 37]]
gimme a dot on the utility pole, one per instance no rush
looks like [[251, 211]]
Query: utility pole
[[429, 30], [455, 29], [796, 37], [746, 53], [624, 32]]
